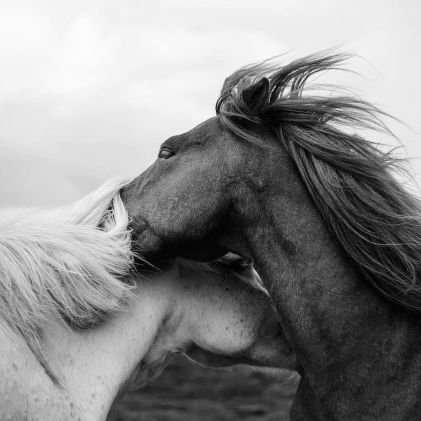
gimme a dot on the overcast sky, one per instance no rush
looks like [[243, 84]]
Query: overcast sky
[[89, 89]]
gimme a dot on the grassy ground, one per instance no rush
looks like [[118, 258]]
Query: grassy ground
[[188, 392]]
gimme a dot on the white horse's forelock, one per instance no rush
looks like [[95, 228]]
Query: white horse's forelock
[[68, 262]]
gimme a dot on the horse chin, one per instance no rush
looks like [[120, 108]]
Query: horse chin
[[210, 359], [265, 360]]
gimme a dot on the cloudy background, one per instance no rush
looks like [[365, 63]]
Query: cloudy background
[[89, 89]]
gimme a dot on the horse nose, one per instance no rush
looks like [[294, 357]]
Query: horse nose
[[128, 196], [130, 193]]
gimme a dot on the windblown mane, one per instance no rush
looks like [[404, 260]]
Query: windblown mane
[[352, 182], [68, 263]]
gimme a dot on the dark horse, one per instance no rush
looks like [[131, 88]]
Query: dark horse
[[280, 177]]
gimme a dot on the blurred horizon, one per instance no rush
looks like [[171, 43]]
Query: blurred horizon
[[89, 89]]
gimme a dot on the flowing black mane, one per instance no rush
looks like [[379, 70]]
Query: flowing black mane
[[352, 183]]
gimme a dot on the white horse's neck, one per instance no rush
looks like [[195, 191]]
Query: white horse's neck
[[98, 365], [212, 316], [93, 367]]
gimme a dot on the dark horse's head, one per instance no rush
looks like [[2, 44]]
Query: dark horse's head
[[207, 186], [186, 201], [178, 204]]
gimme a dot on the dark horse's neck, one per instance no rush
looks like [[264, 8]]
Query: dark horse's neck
[[359, 355]]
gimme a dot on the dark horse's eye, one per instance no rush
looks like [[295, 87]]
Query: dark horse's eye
[[165, 153]]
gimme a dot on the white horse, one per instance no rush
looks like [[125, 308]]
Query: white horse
[[78, 330]]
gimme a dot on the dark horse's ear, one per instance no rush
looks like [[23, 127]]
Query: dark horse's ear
[[256, 95]]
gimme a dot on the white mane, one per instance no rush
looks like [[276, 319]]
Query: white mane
[[68, 262]]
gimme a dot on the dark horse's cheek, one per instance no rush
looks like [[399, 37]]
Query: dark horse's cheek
[[149, 246]]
